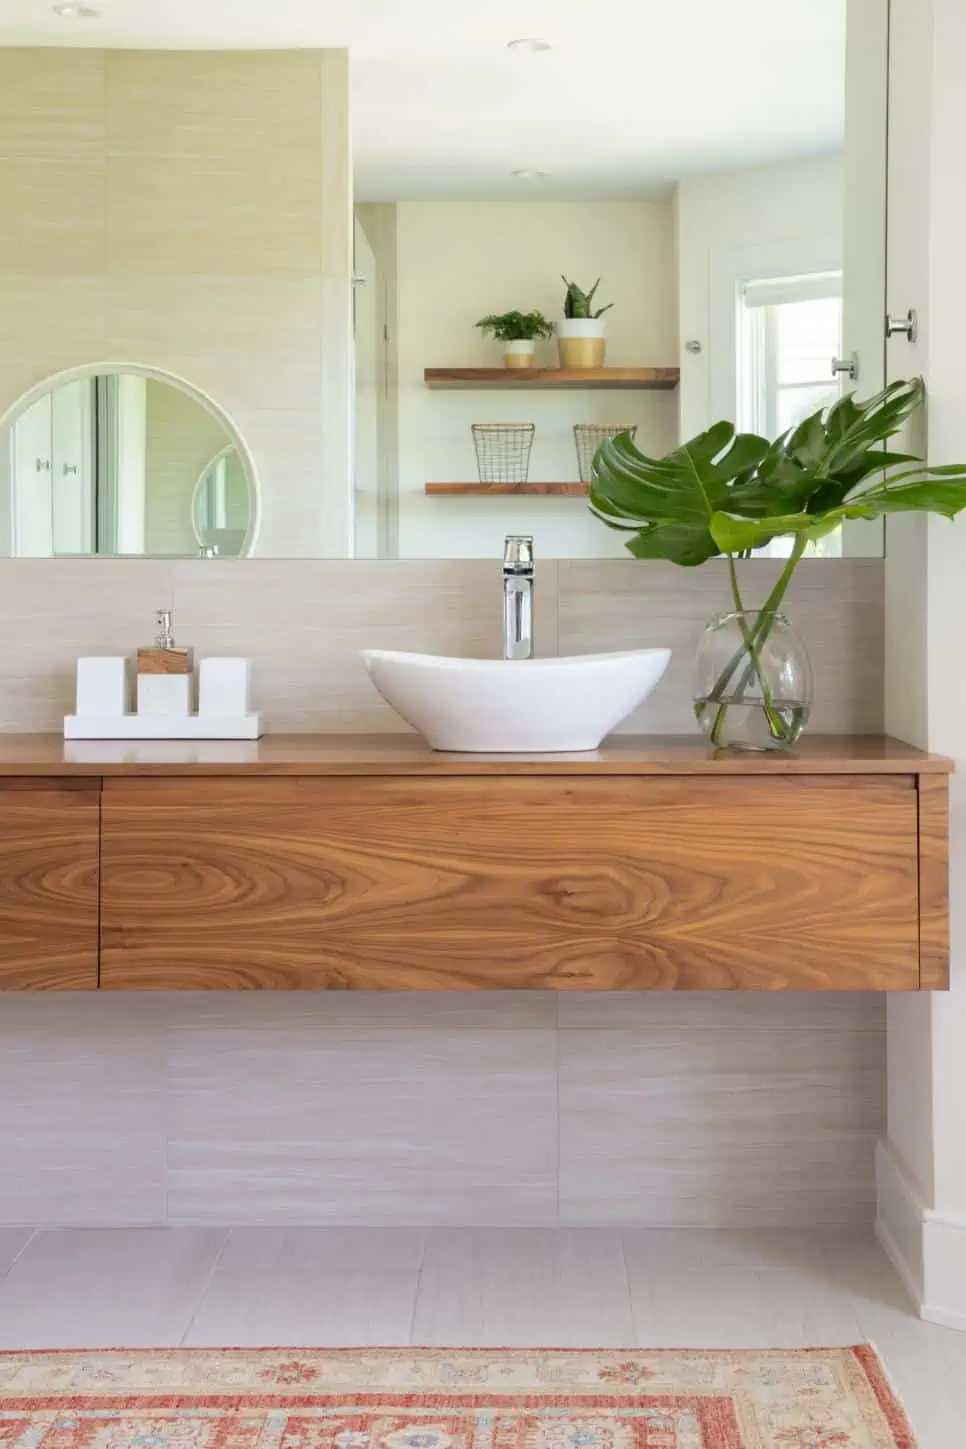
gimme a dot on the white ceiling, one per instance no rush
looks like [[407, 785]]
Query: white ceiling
[[633, 95]]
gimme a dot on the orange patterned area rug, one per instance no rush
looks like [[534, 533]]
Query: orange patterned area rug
[[449, 1399]]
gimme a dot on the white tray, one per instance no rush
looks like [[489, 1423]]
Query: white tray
[[157, 727]]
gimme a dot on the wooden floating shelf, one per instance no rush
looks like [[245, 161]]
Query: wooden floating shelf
[[558, 490], [655, 379]]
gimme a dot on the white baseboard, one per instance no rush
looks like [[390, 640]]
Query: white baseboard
[[927, 1248], [899, 1261], [899, 1220], [944, 1317], [944, 1248]]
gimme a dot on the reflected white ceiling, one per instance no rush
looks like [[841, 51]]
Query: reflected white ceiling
[[633, 94]]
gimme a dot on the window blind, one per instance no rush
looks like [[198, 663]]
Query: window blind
[[776, 291]]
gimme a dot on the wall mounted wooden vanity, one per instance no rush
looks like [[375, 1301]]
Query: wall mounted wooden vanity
[[373, 863]]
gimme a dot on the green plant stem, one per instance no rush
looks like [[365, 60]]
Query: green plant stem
[[768, 607], [753, 642]]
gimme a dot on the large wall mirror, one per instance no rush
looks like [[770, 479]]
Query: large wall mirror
[[120, 462], [722, 172], [662, 212]]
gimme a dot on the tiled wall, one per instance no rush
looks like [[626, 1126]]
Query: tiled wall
[[171, 209], [303, 623], [528, 1108], [190, 212], [449, 1108]]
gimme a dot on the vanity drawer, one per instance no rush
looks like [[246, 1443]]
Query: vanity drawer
[[48, 884], [615, 882]]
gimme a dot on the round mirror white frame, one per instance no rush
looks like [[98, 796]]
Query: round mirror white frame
[[92, 370], [201, 502]]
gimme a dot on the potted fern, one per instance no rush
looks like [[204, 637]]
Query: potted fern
[[726, 494], [518, 331], [582, 335]]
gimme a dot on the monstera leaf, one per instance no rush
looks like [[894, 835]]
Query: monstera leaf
[[728, 492], [668, 503], [932, 490], [731, 493]]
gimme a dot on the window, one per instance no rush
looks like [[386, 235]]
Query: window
[[789, 331]]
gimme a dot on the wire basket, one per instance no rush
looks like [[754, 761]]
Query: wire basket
[[503, 451], [588, 438]]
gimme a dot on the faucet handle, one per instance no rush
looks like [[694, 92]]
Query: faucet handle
[[518, 552]]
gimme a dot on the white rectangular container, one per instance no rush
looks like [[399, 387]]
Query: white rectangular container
[[223, 687], [164, 695], [102, 685]]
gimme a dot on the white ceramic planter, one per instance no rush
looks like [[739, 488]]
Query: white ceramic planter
[[582, 341], [518, 354]]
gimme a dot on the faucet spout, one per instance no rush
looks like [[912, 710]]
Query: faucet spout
[[518, 597]]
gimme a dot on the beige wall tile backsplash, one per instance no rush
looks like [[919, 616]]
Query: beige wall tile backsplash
[[729, 1109], [53, 109], [837, 606], [303, 623], [190, 212], [215, 162], [49, 613], [173, 325], [503, 1109]]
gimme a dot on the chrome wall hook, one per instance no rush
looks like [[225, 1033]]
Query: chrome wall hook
[[847, 366], [907, 326]]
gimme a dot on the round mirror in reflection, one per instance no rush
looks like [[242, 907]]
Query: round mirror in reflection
[[221, 507], [121, 463]]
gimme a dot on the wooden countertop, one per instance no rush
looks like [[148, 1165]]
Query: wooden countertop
[[406, 754]]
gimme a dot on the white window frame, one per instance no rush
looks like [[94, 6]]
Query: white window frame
[[756, 344], [732, 269]]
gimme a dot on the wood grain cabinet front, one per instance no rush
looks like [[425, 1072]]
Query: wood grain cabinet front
[[48, 884], [694, 882]]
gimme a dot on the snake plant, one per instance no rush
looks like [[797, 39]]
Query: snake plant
[[581, 304]]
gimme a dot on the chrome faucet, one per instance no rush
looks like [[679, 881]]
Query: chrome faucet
[[518, 597]]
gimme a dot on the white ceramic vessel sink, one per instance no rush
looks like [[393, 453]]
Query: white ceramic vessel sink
[[496, 706]]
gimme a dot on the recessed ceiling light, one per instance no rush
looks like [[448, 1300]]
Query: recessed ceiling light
[[529, 173], [73, 11], [530, 45]]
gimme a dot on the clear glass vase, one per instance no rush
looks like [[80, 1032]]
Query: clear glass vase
[[754, 681]]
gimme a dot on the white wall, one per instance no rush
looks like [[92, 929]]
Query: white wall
[[376, 221], [132, 438], [947, 562], [910, 125], [756, 221], [368, 383], [864, 179], [458, 261], [922, 1184], [328, 490], [32, 471]]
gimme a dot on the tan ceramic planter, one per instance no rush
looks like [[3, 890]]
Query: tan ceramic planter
[[577, 353], [518, 354], [581, 342]]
